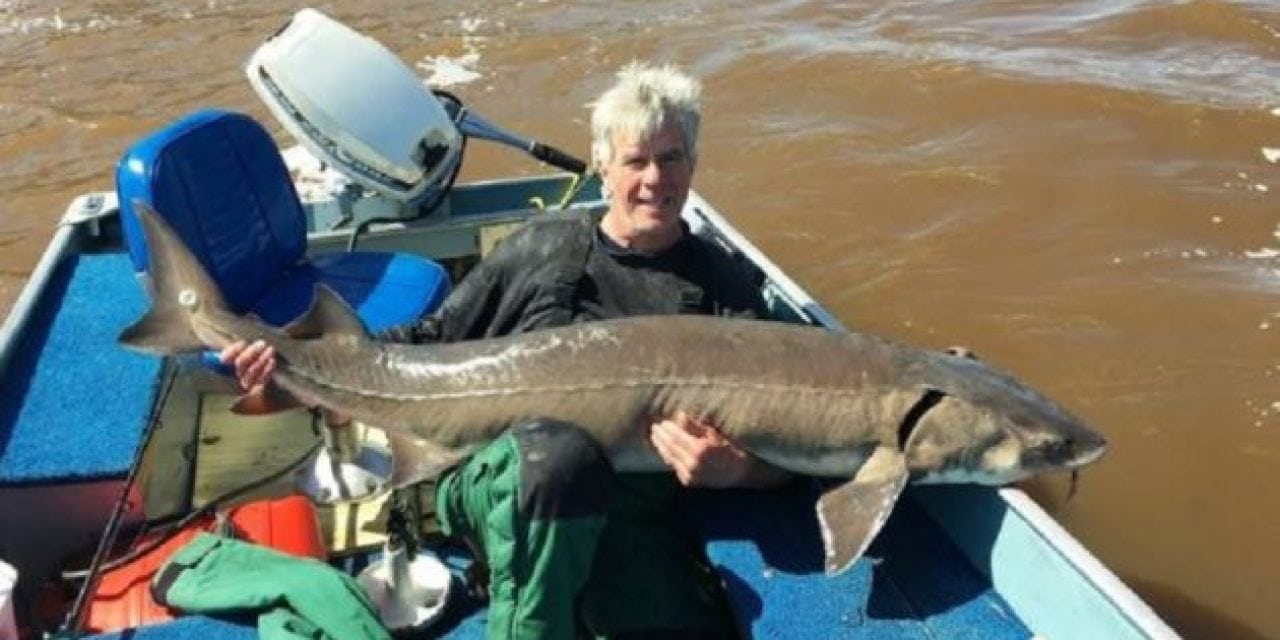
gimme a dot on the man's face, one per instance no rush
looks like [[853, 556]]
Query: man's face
[[648, 182]]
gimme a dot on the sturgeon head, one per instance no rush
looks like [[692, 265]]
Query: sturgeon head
[[977, 424], [971, 424]]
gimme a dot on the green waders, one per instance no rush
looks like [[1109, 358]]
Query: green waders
[[298, 597], [573, 549]]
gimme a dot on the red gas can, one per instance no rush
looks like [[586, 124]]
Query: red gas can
[[123, 600]]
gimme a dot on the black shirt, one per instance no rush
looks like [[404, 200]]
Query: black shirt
[[620, 282], [560, 269]]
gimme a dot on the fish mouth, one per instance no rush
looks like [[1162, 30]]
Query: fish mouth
[[1087, 457], [1062, 456]]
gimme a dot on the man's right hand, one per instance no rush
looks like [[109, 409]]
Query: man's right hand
[[254, 363]]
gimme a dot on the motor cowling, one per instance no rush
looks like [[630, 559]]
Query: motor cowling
[[356, 106]]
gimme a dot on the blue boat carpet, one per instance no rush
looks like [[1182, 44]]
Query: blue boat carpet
[[73, 403], [912, 583], [189, 628]]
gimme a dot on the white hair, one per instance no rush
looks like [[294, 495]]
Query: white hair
[[638, 105]]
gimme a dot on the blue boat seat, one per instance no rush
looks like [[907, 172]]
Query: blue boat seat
[[219, 180]]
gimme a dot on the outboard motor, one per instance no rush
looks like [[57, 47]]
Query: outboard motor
[[358, 108], [354, 105]]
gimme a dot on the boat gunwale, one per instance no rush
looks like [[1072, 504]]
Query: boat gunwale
[[66, 241]]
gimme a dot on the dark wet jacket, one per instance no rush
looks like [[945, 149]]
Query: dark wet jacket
[[560, 269]]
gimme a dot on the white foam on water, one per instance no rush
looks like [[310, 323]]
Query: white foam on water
[[56, 24], [299, 159], [313, 182], [1043, 48], [444, 71], [447, 71]]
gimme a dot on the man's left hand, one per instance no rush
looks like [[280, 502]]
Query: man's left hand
[[701, 456]]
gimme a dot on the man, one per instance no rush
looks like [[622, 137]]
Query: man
[[571, 546]]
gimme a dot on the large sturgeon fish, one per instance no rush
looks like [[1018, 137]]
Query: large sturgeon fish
[[845, 405]]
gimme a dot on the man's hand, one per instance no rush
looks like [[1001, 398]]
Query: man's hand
[[254, 364], [702, 457]]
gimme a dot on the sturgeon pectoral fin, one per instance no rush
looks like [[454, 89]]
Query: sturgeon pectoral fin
[[415, 459], [272, 399], [851, 514]]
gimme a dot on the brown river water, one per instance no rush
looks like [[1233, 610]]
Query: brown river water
[[1083, 192]]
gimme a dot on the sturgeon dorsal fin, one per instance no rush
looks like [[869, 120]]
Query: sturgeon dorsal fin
[[851, 514], [415, 459], [329, 315]]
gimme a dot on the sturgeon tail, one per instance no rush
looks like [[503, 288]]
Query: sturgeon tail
[[181, 289]]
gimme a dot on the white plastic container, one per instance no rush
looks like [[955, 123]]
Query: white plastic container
[[8, 582], [408, 595]]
